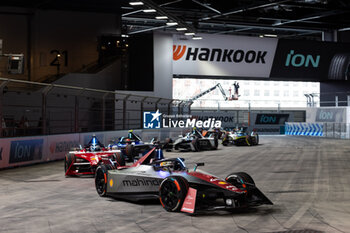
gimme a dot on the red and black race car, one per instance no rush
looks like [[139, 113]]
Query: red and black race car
[[177, 187], [84, 161]]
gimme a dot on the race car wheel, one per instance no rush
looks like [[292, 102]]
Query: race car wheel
[[167, 143], [195, 143], [119, 159], [129, 151], [101, 179], [256, 139], [216, 142], [248, 140], [68, 161], [240, 179], [172, 193]]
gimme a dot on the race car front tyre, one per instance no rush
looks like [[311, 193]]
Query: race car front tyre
[[101, 177], [339, 68], [172, 193], [119, 159], [240, 179], [129, 151], [68, 163]]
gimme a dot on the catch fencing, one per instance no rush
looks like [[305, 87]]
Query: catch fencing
[[31, 108]]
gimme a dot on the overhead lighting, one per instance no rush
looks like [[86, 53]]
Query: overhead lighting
[[181, 29], [270, 35], [171, 23], [197, 38], [136, 3], [149, 10], [189, 34], [162, 17], [124, 35], [261, 36]]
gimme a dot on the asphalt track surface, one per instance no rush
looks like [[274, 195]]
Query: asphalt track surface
[[308, 179]]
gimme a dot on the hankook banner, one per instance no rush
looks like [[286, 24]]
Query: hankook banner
[[220, 56]]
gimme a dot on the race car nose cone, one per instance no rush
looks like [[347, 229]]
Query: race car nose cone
[[229, 202]]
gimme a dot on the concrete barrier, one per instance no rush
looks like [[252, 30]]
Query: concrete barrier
[[23, 151]]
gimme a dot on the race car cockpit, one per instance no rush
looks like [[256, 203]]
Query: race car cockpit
[[171, 165]]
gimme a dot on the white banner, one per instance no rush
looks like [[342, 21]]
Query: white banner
[[222, 55]]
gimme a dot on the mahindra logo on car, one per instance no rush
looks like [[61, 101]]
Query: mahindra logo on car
[[298, 60], [219, 55], [141, 182]]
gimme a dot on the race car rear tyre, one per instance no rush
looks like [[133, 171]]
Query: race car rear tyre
[[129, 151], [119, 159], [167, 143], [172, 193], [257, 139], [216, 142], [68, 161], [101, 177], [195, 143], [239, 179]]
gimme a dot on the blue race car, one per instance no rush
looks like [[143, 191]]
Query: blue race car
[[132, 146]]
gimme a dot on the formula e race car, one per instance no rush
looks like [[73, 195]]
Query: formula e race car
[[84, 161], [240, 138], [132, 146], [195, 141], [177, 188]]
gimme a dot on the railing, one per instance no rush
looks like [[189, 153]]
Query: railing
[[31, 108]]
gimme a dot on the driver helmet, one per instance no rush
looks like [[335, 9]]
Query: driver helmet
[[95, 147]]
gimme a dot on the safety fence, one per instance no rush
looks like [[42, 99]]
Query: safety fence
[[325, 129], [30, 108], [20, 151]]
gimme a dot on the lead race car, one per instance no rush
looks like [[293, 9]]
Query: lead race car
[[195, 141], [84, 161], [177, 187], [240, 138]]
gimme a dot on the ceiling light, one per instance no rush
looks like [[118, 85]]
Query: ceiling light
[[171, 23], [124, 35], [136, 3], [162, 17], [270, 35], [197, 38], [189, 34], [149, 10], [181, 29], [261, 36]]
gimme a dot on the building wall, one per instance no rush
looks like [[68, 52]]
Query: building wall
[[37, 34]]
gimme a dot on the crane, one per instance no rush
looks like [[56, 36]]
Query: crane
[[218, 85]]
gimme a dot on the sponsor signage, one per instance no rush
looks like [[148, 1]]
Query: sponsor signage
[[280, 59], [271, 119], [310, 60], [62, 146], [156, 120], [330, 115], [26, 150], [222, 55]]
